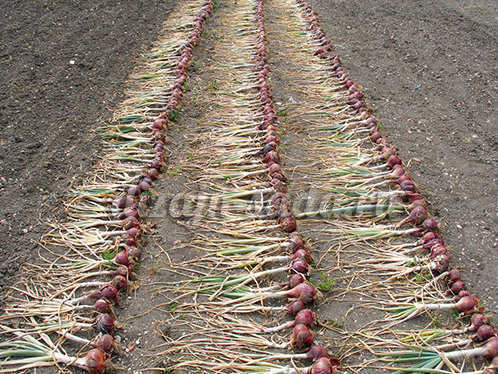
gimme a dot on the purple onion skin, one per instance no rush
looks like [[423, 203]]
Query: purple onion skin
[[301, 337], [461, 294], [302, 254], [492, 348], [428, 237], [295, 307], [317, 351], [122, 259], [467, 304], [440, 263], [95, 361], [437, 250], [300, 266], [303, 292], [295, 280], [288, 224], [430, 225], [454, 276], [321, 366], [104, 324], [102, 306], [104, 342], [297, 239], [484, 333], [457, 286], [432, 243], [107, 291], [417, 215], [305, 317], [119, 282], [476, 321]]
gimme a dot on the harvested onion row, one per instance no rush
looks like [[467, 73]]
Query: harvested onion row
[[351, 171], [233, 148], [105, 216]]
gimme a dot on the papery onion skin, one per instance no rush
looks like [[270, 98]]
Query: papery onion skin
[[122, 259], [95, 361], [295, 280], [457, 286], [123, 202], [288, 224], [430, 224], [432, 243], [105, 342], [321, 366], [295, 307], [492, 348], [301, 337], [300, 266], [104, 324], [476, 321], [440, 263], [461, 294], [484, 332], [303, 292], [129, 222], [304, 255], [296, 242], [454, 275], [119, 282], [316, 352], [305, 317], [107, 291], [467, 303], [102, 306], [417, 215], [437, 250], [121, 270]]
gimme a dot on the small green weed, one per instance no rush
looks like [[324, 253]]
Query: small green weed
[[336, 323], [436, 321], [324, 283], [109, 255], [175, 170]]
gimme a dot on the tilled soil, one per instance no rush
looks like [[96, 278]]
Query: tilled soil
[[63, 71], [428, 70], [431, 76]]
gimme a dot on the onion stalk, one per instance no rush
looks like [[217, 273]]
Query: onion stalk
[[26, 353]]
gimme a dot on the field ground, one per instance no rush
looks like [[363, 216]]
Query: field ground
[[429, 71]]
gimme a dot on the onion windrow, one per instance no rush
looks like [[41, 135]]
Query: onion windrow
[[120, 175]]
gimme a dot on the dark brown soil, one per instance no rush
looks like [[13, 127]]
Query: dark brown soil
[[429, 71], [63, 68]]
